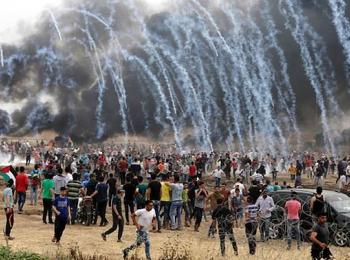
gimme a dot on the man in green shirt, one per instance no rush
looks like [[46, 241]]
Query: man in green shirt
[[74, 190], [118, 221], [141, 193], [48, 194]]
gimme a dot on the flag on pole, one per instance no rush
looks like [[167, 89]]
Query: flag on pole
[[6, 174]]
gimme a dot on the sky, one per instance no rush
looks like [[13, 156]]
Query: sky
[[14, 13]]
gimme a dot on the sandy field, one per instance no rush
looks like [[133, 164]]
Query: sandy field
[[32, 235]]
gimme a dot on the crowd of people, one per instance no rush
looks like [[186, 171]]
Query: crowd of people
[[158, 188]]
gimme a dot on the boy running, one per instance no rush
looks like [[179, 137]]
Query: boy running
[[62, 211]]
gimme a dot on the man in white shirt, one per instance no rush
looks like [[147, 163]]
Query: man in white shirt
[[348, 170], [342, 183], [265, 205], [217, 175], [258, 177], [240, 186], [145, 217], [185, 171]]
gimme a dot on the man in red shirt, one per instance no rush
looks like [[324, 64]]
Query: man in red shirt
[[193, 170], [122, 167], [102, 160], [308, 167], [21, 188], [293, 209]]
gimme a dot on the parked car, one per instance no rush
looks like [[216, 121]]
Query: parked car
[[337, 206]]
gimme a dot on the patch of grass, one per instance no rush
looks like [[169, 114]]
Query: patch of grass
[[8, 254], [73, 253]]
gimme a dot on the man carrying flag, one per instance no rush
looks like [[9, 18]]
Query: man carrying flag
[[7, 173]]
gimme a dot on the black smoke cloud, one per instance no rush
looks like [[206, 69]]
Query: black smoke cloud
[[68, 70], [4, 122]]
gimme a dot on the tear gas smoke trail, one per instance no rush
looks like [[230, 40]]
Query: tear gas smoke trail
[[342, 26], [1, 57], [215, 67], [289, 99], [55, 24], [293, 15]]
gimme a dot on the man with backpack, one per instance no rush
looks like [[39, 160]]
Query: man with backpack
[[317, 203]]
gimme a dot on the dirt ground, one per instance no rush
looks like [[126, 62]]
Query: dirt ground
[[32, 235]]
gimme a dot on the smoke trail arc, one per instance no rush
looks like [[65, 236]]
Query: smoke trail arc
[[207, 74]]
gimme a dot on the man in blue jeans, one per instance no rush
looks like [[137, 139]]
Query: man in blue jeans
[[145, 218], [265, 205], [176, 202], [293, 209]]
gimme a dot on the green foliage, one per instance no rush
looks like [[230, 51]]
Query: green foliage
[[8, 254]]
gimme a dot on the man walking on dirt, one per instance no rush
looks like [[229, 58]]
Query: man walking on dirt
[[118, 221], [224, 218], [320, 239], [293, 209], [22, 183]]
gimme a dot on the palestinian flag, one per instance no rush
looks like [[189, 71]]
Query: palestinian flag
[[6, 173]]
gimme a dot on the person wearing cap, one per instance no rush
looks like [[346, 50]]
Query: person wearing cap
[[265, 205], [293, 209], [8, 207], [62, 212]]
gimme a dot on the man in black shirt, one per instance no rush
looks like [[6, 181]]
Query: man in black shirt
[[317, 204], [135, 168], [118, 221], [154, 193], [254, 191], [224, 218], [192, 196], [101, 194], [129, 197], [112, 188], [91, 185], [320, 239]]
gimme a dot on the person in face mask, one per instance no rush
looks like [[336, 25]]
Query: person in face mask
[[265, 206]]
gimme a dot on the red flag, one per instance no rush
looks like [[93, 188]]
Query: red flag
[[6, 169]]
